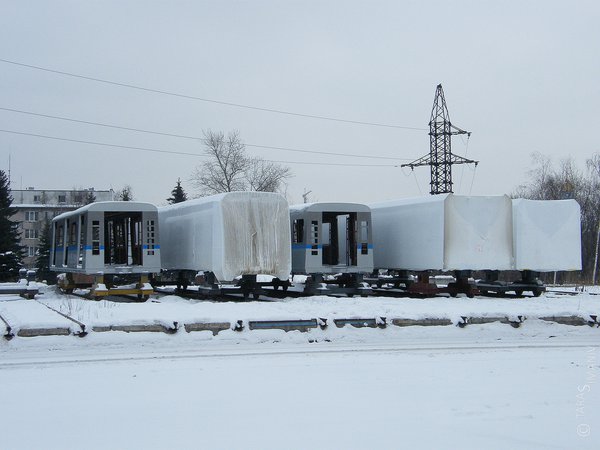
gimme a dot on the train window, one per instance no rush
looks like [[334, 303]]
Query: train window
[[57, 233], [314, 233], [73, 233], [298, 236], [364, 231], [326, 233], [95, 237], [150, 237]]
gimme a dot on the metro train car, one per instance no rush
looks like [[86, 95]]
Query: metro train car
[[332, 239], [111, 247], [234, 239]]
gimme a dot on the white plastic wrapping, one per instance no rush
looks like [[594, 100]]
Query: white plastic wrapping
[[231, 234], [547, 235], [478, 233], [443, 232]]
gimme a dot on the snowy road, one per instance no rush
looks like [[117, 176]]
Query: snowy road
[[488, 386], [414, 394]]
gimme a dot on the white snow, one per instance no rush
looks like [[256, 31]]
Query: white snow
[[483, 386]]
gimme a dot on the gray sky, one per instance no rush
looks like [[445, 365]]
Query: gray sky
[[523, 76]]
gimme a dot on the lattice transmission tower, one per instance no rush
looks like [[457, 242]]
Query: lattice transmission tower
[[440, 158]]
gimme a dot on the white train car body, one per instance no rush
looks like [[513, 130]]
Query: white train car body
[[230, 235], [444, 232], [106, 238], [547, 235], [330, 238]]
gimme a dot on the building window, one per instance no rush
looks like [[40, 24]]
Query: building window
[[62, 198], [32, 234], [32, 216], [37, 199], [31, 251]]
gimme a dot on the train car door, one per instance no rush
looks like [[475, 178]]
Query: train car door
[[123, 238], [339, 239]]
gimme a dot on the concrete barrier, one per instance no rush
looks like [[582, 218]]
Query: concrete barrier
[[213, 327], [36, 332], [285, 325], [421, 322], [568, 320], [151, 328]]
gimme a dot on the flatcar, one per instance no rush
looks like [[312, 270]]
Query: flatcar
[[332, 239], [108, 246], [546, 238], [444, 232], [234, 239]]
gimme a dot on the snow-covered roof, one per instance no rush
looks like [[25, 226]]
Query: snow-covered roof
[[330, 207], [109, 206]]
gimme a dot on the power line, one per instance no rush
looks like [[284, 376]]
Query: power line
[[174, 152], [208, 100], [139, 130]]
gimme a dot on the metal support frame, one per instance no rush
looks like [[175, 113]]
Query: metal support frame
[[440, 158]]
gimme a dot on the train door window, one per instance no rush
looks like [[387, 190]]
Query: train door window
[[352, 248], [364, 237], [314, 237], [95, 237], [298, 231], [329, 239], [82, 240], [150, 239]]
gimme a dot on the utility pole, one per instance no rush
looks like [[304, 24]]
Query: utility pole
[[305, 195], [440, 158]]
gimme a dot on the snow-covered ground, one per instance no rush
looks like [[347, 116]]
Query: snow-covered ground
[[482, 386]]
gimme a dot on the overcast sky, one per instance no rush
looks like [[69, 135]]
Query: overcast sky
[[523, 76]]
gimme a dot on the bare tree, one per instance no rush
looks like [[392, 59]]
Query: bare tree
[[265, 176], [228, 168]]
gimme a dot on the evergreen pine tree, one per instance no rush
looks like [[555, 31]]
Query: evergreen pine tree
[[178, 195], [10, 250], [42, 262], [125, 194], [90, 198]]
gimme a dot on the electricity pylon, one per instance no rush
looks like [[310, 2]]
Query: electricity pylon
[[440, 158]]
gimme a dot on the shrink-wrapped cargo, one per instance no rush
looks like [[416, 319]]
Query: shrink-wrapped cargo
[[443, 232], [230, 234], [547, 235]]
